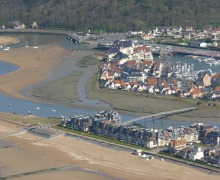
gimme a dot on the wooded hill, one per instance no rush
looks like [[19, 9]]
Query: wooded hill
[[110, 15]]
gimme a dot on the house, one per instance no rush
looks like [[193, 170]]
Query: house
[[177, 145], [197, 93], [196, 153], [215, 95], [197, 44], [215, 80], [142, 53], [205, 78]]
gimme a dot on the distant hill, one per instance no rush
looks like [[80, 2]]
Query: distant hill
[[110, 15]]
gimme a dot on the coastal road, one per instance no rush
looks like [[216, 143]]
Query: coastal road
[[160, 114]]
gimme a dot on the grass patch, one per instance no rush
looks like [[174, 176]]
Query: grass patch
[[29, 119], [141, 103], [199, 162], [88, 61], [61, 90]]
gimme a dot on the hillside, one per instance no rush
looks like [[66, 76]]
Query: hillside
[[110, 15]]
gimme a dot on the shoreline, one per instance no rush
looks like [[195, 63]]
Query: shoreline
[[79, 158]]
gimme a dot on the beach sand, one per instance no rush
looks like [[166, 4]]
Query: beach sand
[[69, 158]]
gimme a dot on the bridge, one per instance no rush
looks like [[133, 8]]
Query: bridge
[[160, 114], [73, 38]]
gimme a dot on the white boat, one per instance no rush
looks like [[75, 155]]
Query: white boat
[[38, 108], [35, 47], [6, 49], [53, 110]]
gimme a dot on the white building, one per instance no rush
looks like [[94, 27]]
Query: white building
[[196, 153]]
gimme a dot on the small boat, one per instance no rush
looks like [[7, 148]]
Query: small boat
[[6, 49], [53, 110], [29, 112], [35, 47], [38, 108]]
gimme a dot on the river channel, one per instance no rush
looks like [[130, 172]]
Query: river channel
[[20, 106]]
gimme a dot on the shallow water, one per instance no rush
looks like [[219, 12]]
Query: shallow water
[[6, 67]]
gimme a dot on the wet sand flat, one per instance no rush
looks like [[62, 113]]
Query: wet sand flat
[[35, 66], [6, 40]]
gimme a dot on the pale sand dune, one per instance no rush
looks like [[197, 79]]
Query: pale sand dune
[[8, 40], [87, 160], [35, 66]]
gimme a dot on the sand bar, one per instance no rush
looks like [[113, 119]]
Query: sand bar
[[8, 40], [35, 66]]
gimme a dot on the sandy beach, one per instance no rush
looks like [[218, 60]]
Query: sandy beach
[[32, 157]]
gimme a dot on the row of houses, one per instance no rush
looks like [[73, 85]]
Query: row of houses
[[109, 124], [179, 141], [196, 37]]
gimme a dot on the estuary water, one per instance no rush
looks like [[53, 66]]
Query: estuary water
[[19, 106]]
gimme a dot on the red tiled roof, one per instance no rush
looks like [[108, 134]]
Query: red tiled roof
[[196, 91], [175, 81], [131, 63], [123, 83], [133, 83], [146, 63], [217, 88], [152, 81], [165, 84], [141, 49], [176, 88], [177, 142], [117, 82], [113, 67]]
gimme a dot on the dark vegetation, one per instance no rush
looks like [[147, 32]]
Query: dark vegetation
[[110, 15]]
